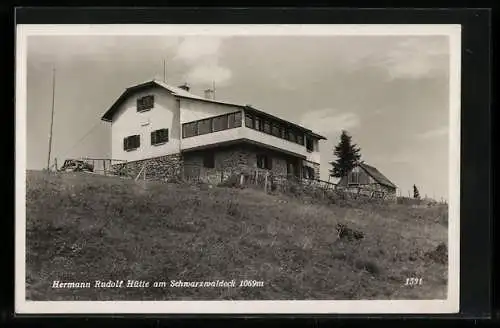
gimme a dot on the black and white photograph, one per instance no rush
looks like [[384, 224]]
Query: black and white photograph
[[237, 168]]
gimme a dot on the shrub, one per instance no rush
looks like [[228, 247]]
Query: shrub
[[439, 254], [368, 265]]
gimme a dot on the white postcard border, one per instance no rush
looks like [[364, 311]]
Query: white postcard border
[[450, 305]]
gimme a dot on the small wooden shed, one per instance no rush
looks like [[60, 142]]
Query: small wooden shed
[[369, 179]]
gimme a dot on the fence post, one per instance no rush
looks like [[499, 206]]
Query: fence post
[[104, 166], [265, 182], [241, 179]]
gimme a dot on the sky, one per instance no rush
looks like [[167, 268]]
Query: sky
[[391, 93]]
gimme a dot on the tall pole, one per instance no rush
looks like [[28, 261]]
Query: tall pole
[[52, 116], [164, 71]]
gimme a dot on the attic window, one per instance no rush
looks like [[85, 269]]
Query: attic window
[[145, 103]]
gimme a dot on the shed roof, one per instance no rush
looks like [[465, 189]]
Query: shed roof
[[182, 93], [376, 175]]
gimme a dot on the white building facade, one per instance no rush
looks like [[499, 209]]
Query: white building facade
[[173, 132]]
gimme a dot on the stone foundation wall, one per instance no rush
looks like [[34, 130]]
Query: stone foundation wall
[[230, 160], [158, 168], [233, 160], [226, 162]]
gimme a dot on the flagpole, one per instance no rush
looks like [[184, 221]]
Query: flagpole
[[52, 116]]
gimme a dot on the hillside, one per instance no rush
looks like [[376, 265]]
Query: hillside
[[82, 227]]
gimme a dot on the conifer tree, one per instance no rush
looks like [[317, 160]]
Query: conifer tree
[[416, 194], [348, 156]]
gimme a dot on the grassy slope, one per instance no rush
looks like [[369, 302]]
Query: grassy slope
[[83, 227]]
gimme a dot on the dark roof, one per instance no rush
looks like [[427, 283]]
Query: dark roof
[[376, 175], [179, 92]]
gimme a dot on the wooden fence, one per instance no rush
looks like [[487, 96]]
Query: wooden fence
[[107, 166], [255, 178], [270, 182]]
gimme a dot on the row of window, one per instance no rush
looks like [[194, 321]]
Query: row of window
[[233, 120], [212, 124], [277, 129], [157, 137]]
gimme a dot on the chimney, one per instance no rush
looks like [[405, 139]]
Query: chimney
[[209, 94], [185, 86]]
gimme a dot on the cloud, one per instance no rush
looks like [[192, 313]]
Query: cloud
[[208, 72], [439, 132], [194, 48], [417, 57], [202, 55], [329, 120]]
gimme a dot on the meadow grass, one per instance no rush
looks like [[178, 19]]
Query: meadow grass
[[82, 227]]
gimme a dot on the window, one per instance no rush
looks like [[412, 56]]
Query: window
[[189, 129], [219, 123], [234, 120], [258, 124], [204, 126], [237, 119], [291, 136], [131, 142], [159, 136], [300, 138], [249, 121], [353, 178], [276, 130], [145, 103], [267, 127], [209, 160], [264, 162], [309, 172], [309, 144], [212, 124]]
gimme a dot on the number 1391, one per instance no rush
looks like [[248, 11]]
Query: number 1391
[[413, 281]]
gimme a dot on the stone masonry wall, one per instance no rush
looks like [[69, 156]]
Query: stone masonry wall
[[162, 168], [230, 160], [237, 159]]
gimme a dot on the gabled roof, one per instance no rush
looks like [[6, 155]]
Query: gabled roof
[[376, 175], [181, 93], [176, 91]]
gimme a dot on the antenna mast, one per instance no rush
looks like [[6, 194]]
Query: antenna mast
[[52, 116]]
